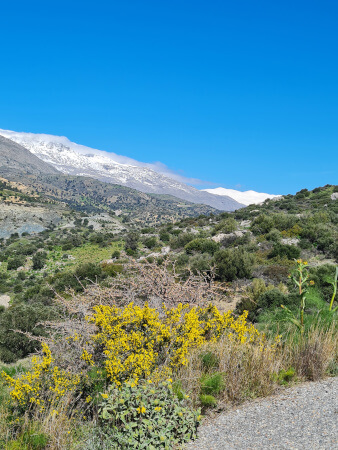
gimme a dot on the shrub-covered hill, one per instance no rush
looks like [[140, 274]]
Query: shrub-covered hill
[[93, 196], [137, 325]]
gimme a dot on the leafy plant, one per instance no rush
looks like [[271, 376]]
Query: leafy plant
[[285, 376], [300, 277], [147, 416]]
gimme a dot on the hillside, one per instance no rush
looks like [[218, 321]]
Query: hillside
[[93, 196], [14, 156], [174, 310]]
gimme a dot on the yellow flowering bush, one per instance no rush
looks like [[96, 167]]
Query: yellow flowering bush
[[136, 340], [45, 384], [123, 343]]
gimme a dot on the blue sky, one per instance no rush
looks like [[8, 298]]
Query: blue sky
[[241, 94]]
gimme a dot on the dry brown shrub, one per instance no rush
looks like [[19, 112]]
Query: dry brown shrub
[[248, 370], [157, 284], [312, 355]]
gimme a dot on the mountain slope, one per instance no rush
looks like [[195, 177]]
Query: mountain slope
[[74, 159], [14, 156], [246, 197]]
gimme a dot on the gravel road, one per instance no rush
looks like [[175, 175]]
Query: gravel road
[[302, 417]]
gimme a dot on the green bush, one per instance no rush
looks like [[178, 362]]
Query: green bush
[[284, 250], [147, 416], [15, 262], [212, 384], [207, 401], [116, 254], [150, 242], [25, 318], [209, 360], [233, 263], [181, 240], [285, 376], [226, 226], [202, 246]]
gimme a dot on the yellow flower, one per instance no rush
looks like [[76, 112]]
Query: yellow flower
[[104, 395], [141, 410]]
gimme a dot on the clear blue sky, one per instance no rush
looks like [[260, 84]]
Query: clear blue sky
[[240, 93]]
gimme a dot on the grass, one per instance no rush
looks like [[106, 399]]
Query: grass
[[239, 372]]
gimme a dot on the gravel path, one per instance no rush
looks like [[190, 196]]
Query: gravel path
[[302, 417]]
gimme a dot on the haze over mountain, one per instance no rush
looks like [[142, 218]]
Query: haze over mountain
[[246, 197], [74, 159]]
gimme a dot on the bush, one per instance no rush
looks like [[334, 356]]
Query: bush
[[150, 242], [15, 262], [147, 416], [274, 235], [164, 236], [112, 269], [284, 250], [202, 246], [209, 360], [207, 401], [226, 226], [116, 254], [212, 384], [181, 240], [39, 260], [13, 345], [131, 241], [233, 263], [89, 271]]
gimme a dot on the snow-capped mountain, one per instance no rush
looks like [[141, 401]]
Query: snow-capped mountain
[[246, 198], [71, 158]]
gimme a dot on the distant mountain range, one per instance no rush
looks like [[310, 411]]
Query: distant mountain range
[[70, 158], [73, 159], [246, 197], [33, 195]]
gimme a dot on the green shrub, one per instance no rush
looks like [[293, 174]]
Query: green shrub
[[226, 226], [150, 242], [289, 251], [112, 269], [207, 401], [209, 360], [147, 416], [181, 240], [202, 246], [285, 376], [15, 262], [233, 263], [274, 235], [212, 384]]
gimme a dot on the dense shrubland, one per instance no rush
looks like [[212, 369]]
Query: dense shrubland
[[133, 334]]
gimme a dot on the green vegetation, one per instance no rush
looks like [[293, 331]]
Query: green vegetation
[[156, 294]]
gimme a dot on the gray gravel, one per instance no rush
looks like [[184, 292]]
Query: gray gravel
[[302, 417]]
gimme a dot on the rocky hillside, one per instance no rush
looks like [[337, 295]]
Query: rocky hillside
[[14, 156]]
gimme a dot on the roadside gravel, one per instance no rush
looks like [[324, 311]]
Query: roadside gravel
[[302, 417]]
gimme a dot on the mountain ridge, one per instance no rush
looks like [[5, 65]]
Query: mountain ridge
[[74, 159]]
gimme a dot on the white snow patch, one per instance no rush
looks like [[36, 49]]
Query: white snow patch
[[246, 197]]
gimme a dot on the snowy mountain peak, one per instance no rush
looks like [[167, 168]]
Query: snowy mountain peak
[[74, 159], [246, 197]]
